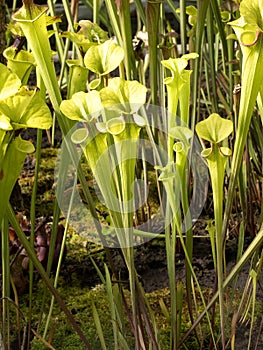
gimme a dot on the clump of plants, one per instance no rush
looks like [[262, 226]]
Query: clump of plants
[[166, 103]]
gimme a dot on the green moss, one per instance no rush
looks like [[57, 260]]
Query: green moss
[[45, 185], [79, 301]]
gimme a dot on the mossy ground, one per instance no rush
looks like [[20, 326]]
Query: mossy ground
[[78, 295], [79, 301], [79, 298]]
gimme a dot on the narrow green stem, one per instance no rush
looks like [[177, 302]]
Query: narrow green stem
[[183, 25], [170, 185], [152, 19], [220, 25], [212, 75], [59, 42], [170, 244], [112, 13], [126, 30], [217, 178], [95, 11], [202, 6]]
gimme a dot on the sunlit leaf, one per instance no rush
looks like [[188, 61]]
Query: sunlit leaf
[[226, 16], [178, 147], [82, 106], [104, 58], [123, 96], [78, 77], [27, 109], [206, 152], [191, 11], [15, 28], [248, 29], [226, 151], [32, 20], [177, 81], [214, 129], [252, 10], [9, 82], [94, 84], [5, 123], [167, 172], [101, 127], [11, 53], [139, 120]]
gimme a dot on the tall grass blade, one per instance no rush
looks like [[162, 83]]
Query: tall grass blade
[[123, 11], [98, 327], [152, 19], [202, 6], [112, 13]]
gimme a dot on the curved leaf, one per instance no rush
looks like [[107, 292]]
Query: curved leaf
[[252, 11], [9, 82], [225, 151], [249, 26], [249, 37], [123, 96], [104, 58], [78, 77], [214, 128], [177, 65], [79, 135], [115, 126], [82, 106], [23, 146], [11, 53], [11, 167], [27, 109], [139, 120], [20, 62], [167, 172]]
